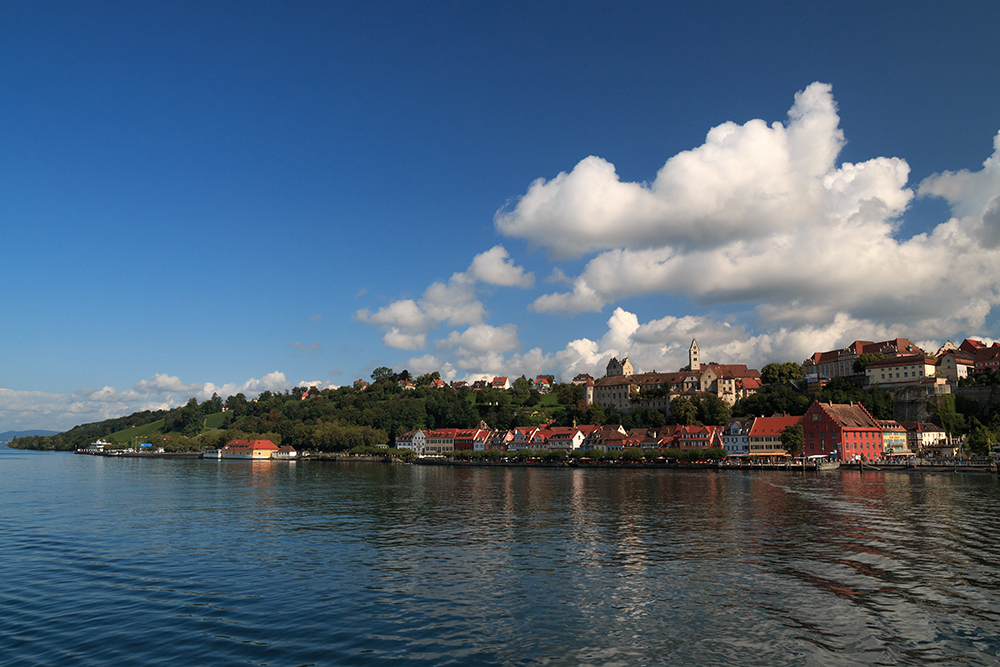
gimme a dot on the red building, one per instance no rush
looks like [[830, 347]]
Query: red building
[[701, 437], [844, 431]]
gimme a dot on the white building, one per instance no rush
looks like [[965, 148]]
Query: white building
[[736, 436]]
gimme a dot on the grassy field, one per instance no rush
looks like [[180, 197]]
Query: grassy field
[[213, 422], [150, 429]]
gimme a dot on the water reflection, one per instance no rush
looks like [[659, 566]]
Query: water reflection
[[328, 563]]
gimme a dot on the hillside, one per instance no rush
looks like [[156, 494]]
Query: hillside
[[7, 436]]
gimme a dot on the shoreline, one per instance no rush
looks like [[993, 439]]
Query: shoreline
[[958, 467]]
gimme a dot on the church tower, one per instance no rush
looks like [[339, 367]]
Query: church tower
[[694, 356]]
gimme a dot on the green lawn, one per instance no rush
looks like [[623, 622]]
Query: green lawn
[[152, 428]]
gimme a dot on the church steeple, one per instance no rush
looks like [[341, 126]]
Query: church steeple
[[694, 356]]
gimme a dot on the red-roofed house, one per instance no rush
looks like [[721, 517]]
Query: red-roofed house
[[845, 431], [565, 437], [840, 363], [500, 382], [471, 439], [249, 449], [987, 359], [440, 441], [698, 437], [765, 436]]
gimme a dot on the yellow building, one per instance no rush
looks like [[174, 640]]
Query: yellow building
[[249, 449]]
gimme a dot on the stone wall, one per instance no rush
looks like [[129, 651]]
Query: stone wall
[[988, 397]]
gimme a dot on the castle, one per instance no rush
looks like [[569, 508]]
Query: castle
[[624, 390]]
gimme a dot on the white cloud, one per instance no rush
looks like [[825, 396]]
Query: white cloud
[[494, 268], [745, 182], [24, 410], [484, 338], [762, 215], [407, 322], [759, 220]]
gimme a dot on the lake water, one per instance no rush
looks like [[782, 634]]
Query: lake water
[[152, 562]]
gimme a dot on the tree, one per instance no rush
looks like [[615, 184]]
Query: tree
[[713, 410], [568, 394], [520, 391], [773, 399], [237, 404], [793, 439], [683, 411], [786, 373], [862, 362], [980, 440], [381, 373]]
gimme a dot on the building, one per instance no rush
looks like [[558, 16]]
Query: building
[[624, 390], [249, 449], [440, 441], [543, 385], [415, 441], [901, 370], [840, 363], [605, 438], [764, 438], [955, 364], [736, 436], [894, 442], [844, 431], [927, 439], [987, 359], [565, 437], [471, 439], [500, 382], [698, 437], [285, 452]]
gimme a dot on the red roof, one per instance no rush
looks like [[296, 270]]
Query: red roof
[[772, 426], [251, 444]]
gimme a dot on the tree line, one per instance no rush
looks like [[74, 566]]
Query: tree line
[[341, 419]]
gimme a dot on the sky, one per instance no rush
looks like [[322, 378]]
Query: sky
[[223, 197]]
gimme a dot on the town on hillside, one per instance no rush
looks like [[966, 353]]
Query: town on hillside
[[869, 401], [842, 432]]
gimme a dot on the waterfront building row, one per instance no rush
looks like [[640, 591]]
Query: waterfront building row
[[844, 432]]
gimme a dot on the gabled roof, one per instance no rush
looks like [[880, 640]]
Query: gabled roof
[[985, 354], [922, 427], [849, 415], [971, 345], [250, 444], [772, 426]]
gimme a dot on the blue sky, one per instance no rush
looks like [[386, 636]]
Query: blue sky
[[201, 197]]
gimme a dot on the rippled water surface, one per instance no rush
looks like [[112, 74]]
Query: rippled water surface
[[153, 562]]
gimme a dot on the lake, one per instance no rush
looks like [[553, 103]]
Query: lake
[[110, 561]]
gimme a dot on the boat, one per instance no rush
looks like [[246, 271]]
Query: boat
[[821, 462]]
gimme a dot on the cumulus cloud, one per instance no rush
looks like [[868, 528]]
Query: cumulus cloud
[[760, 220], [745, 182], [484, 338], [406, 322], [495, 268], [762, 215]]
